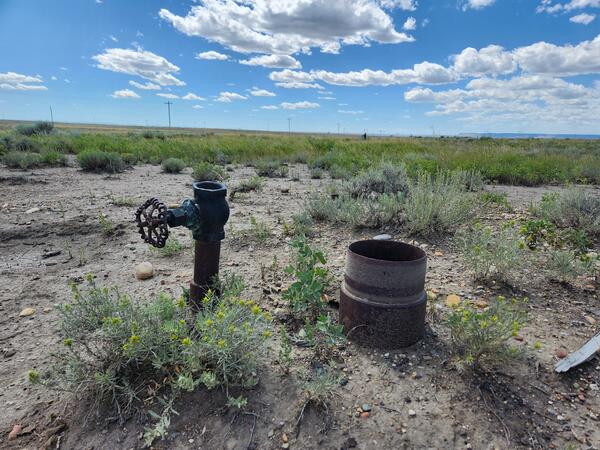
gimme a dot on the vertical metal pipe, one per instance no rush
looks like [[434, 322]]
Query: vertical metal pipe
[[206, 267]]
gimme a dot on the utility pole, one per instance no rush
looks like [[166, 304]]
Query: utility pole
[[338, 125], [168, 103], [289, 125], [51, 116]]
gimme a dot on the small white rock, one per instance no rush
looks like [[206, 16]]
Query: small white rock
[[382, 237], [144, 270], [32, 210], [412, 413]]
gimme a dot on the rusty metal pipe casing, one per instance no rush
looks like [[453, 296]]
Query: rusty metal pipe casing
[[382, 298]]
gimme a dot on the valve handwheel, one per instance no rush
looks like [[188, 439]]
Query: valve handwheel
[[151, 219]]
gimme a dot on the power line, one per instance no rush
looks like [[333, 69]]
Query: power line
[[168, 103]]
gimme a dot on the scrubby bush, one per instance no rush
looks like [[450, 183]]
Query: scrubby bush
[[483, 335], [340, 209], [565, 265], [316, 173], [24, 144], [205, 171], [38, 128], [173, 165], [271, 168], [437, 204], [490, 255], [128, 354], [385, 179], [22, 160], [152, 134], [27, 160], [301, 224], [500, 199], [100, 161], [254, 183], [575, 208]]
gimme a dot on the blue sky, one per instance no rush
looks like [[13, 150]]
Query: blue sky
[[390, 66]]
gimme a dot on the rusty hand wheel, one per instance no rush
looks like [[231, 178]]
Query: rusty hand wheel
[[151, 219]]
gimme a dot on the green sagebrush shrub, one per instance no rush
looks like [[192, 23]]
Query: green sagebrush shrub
[[492, 255], [206, 171], [173, 165], [437, 203], [100, 161], [117, 349], [27, 160], [575, 208], [38, 128]]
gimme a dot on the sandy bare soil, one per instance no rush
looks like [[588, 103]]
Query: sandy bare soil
[[418, 400]]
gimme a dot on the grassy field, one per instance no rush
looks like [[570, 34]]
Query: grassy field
[[508, 161]]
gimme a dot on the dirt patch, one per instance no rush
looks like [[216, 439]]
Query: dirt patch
[[524, 405]]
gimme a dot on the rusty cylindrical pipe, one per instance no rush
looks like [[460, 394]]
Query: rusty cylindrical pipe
[[206, 268], [382, 298]]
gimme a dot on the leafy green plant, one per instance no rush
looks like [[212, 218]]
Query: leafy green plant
[[100, 161], [128, 354], [206, 171], [537, 231], [173, 165], [492, 255], [482, 335], [311, 277], [271, 168]]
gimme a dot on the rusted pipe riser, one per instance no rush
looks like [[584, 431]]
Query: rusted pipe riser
[[382, 297], [383, 326], [206, 268]]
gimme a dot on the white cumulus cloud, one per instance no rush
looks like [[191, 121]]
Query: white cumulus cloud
[[12, 81], [256, 92], [192, 96], [583, 18], [145, 86], [124, 93], [300, 105], [228, 97], [139, 62], [169, 96], [410, 24], [288, 27], [273, 61], [212, 55], [477, 4], [492, 59]]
